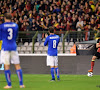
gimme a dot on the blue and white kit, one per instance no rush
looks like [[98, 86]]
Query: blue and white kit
[[52, 41], [8, 35]]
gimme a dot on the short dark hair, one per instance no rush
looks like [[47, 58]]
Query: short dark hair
[[8, 16], [51, 29]]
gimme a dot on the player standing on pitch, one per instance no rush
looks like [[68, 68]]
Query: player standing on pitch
[[52, 59], [96, 55], [8, 34]]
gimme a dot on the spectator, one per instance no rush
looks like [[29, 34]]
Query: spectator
[[73, 27], [91, 32], [68, 28], [86, 9], [56, 9], [39, 28], [92, 24], [80, 12], [28, 6], [34, 27], [79, 27], [69, 18], [30, 19], [42, 5], [37, 5], [62, 28]]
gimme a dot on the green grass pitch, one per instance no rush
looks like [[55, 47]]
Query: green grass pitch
[[42, 82]]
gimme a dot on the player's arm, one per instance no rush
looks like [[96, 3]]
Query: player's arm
[[59, 40], [17, 31], [98, 45], [46, 41]]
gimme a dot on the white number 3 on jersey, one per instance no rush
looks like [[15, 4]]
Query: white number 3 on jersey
[[10, 30]]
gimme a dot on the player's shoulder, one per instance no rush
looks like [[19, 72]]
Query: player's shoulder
[[1, 25], [10, 24], [14, 23], [56, 35]]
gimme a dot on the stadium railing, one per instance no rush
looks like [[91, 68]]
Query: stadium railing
[[33, 40], [64, 41], [25, 36], [97, 35], [68, 36]]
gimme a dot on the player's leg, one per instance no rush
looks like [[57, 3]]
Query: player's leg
[[56, 67], [51, 58], [57, 72], [52, 73], [92, 63], [50, 62], [20, 75], [15, 60], [7, 76], [5, 58]]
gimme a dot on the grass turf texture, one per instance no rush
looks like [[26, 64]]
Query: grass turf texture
[[42, 82]]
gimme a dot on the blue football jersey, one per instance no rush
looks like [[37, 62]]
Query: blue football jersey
[[8, 34], [52, 41]]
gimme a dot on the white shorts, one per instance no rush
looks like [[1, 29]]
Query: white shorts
[[52, 60], [9, 56]]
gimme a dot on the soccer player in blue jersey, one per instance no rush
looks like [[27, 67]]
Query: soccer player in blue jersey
[[8, 34], [52, 59]]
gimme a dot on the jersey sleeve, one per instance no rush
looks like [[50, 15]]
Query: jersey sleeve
[[59, 40], [46, 41], [17, 31]]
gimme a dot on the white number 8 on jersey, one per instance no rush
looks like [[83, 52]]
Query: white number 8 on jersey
[[54, 43]]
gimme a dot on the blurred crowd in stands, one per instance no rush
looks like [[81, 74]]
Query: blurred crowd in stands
[[63, 15]]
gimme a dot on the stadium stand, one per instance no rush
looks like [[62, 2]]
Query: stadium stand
[[81, 18], [27, 47]]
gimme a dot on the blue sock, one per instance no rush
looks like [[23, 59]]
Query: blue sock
[[52, 73], [20, 76], [8, 75], [57, 72]]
